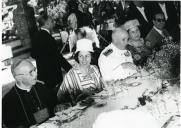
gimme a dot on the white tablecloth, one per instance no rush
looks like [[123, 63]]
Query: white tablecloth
[[122, 98]]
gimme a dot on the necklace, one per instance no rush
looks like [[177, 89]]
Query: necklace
[[38, 99], [22, 105]]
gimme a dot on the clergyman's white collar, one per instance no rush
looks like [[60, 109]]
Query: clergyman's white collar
[[45, 30], [25, 89]]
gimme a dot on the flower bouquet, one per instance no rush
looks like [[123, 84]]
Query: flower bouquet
[[57, 10], [161, 62]]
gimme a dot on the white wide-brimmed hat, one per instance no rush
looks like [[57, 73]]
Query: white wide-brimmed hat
[[84, 45], [131, 24]]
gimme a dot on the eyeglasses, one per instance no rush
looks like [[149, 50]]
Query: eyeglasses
[[30, 72], [160, 20]]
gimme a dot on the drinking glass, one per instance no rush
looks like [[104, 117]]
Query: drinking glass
[[139, 70], [106, 88], [176, 99]]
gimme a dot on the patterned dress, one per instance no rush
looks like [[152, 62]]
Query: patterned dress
[[75, 82]]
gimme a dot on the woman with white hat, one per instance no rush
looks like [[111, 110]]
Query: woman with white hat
[[82, 78], [136, 44]]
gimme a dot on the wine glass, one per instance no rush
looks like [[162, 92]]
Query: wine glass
[[176, 99], [156, 109], [106, 87], [164, 104], [139, 70]]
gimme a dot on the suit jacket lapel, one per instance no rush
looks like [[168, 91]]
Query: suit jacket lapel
[[140, 15]]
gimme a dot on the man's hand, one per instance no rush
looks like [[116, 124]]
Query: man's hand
[[128, 65]]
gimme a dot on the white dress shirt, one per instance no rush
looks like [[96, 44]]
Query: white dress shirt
[[25, 89], [142, 12], [123, 4], [162, 6], [110, 64], [159, 31]]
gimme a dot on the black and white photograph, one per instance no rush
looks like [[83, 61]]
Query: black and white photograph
[[90, 64]]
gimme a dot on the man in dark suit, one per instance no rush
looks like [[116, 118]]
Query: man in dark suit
[[97, 7], [157, 33], [45, 51], [122, 7], [138, 10], [169, 11], [29, 102]]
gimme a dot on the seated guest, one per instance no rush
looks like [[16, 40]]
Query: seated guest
[[115, 61], [136, 44], [82, 78], [170, 13], [125, 119], [157, 33], [92, 35], [29, 102]]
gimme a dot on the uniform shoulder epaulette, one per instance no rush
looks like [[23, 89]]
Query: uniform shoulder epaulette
[[108, 52]]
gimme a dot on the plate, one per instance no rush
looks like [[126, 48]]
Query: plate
[[134, 84], [100, 103], [87, 102], [68, 115], [102, 95], [48, 125]]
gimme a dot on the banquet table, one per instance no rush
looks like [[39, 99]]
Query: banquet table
[[124, 95]]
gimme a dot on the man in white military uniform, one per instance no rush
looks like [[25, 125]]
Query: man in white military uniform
[[115, 61]]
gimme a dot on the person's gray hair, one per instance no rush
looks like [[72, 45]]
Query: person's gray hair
[[116, 31], [16, 63], [42, 19]]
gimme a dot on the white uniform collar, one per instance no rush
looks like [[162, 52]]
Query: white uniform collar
[[25, 89], [45, 30], [117, 49]]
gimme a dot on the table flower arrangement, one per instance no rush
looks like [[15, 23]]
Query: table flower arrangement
[[161, 62], [57, 10]]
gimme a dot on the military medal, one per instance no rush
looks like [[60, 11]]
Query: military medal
[[108, 52], [127, 54]]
